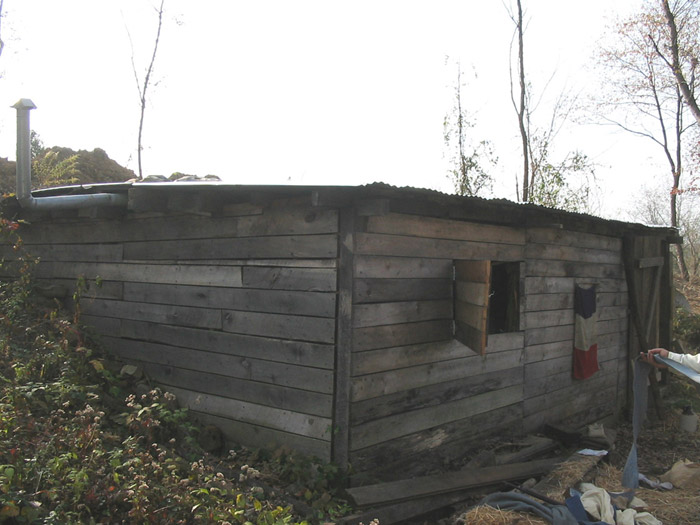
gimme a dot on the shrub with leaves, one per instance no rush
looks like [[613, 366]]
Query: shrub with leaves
[[77, 445], [686, 326]]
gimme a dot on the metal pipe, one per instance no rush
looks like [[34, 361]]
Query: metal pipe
[[24, 174]]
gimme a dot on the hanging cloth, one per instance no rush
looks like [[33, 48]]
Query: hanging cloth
[[586, 332]]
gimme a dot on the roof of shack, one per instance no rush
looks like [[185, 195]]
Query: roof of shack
[[371, 199]]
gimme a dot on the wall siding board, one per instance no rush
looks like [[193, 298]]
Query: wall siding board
[[380, 314], [302, 401], [391, 427], [315, 304], [303, 279], [283, 420], [288, 246], [392, 381], [241, 432], [303, 378], [374, 267], [397, 224], [405, 246], [388, 290], [198, 275], [156, 313], [300, 353], [433, 395], [313, 329], [373, 337]]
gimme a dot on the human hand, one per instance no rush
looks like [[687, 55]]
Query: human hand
[[649, 356]]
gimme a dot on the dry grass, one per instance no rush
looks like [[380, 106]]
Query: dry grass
[[672, 507], [485, 515]]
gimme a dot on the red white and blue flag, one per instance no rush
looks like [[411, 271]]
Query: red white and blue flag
[[586, 334]]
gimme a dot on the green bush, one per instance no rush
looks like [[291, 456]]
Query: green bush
[[686, 326], [78, 446]]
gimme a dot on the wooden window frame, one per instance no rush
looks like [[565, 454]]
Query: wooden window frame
[[472, 290]]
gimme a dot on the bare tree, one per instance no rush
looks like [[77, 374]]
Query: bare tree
[[682, 48], [143, 87], [642, 97], [545, 181], [521, 106], [467, 160]]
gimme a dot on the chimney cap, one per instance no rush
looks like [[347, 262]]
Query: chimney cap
[[24, 103]]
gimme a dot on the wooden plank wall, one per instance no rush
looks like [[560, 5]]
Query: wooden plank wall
[[414, 390], [234, 314], [557, 260]]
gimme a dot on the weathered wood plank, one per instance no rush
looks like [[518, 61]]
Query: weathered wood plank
[[287, 221], [374, 267], [340, 442], [307, 246], [295, 400], [379, 314], [398, 224], [391, 427], [145, 273], [405, 246], [553, 334], [387, 290], [303, 378], [157, 313], [392, 381], [300, 328], [269, 301], [408, 489], [102, 252], [401, 334], [304, 279], [568, 238], [432, 395], [255, 436], [284, 420], [372, 361], [291, 352], [580, 270], [89, 289], [539, 285], [407, 455], [562, 380], [571, 253]]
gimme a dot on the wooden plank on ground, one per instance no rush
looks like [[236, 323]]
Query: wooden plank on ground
[[403, 490]]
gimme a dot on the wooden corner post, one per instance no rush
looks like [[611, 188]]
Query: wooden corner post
[[340, 437]]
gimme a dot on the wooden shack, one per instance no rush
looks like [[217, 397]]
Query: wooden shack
[[371, 325]]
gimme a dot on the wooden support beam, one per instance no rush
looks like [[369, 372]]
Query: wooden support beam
[[407, 489]]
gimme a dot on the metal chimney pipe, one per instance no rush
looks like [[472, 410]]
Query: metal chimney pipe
[[24, 174]]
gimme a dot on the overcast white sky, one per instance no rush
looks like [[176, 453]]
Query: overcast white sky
[[302, 92]]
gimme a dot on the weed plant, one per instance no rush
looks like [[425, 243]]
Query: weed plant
[[78, 446]]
